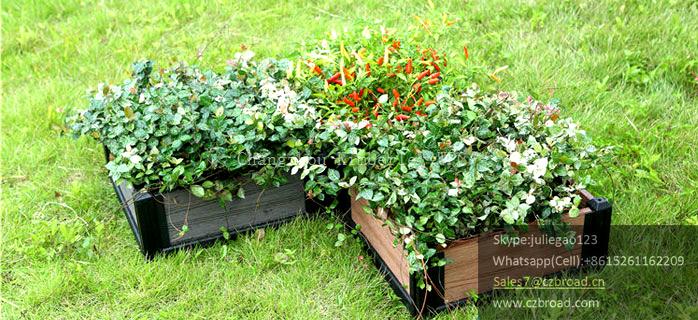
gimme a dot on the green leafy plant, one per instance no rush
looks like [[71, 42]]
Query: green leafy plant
[[197, 129], [469, 163], [446, 161]]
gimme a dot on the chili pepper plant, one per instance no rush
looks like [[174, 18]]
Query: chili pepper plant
[[447, 162]]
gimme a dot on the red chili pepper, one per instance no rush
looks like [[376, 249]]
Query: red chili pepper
[[395, 102], [317, 70], [406, 108], [355, 96], [401, 117], [423, 74], [380, 61], [348, 74], [396, 94], [434, 56], [408, 66], [465, 51], [396, 45], [355, 109], [380, 90], [433, 81], [419, 113], [334, 78], [430, 102], [361, 93], [435, 75], [349, 102], [417, 87], [420, 101], [436, 66], [368, 69]]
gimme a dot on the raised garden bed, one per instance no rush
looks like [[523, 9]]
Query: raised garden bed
[[471, 267], [157, 219]]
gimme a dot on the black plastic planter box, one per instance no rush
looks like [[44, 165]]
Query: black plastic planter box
[[471, 268], [157, 218]]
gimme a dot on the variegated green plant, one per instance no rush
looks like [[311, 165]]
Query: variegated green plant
[[476, 162], [198, 129]]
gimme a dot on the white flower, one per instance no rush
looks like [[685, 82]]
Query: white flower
[[290, 117], [469, 140], [515, 157], [538, 169], [243, 57], [131, 154], [572, 130], [135, 159], [530, 199], [363, 124], [559, 205]]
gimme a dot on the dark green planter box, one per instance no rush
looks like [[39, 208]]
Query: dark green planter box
[[157, 218]]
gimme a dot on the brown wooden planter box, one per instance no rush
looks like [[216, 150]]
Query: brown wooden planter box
[[472, 268], [157, 218]]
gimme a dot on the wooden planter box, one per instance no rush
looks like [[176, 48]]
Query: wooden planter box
[[157, 218], [472, 267]]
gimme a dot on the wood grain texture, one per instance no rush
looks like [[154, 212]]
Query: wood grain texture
[[467, 272], [381, 239], [204, 218]]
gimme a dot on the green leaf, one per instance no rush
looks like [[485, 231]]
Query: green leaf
[[333, 175], [448, 158], [198, 190], [241, 193], [128, 112], [574, 212], [226, 196], [340, 239], [366, 194]]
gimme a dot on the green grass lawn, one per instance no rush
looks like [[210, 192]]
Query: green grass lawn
[[626, 72]]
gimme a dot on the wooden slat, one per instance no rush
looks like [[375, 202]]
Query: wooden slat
[[204, 218], [467, 273], [381, 239]]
